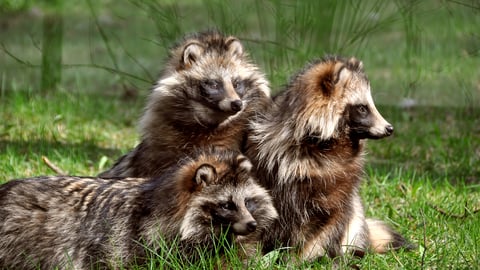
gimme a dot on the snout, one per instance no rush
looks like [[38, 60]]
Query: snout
[[378, 132], [236, 105], [367, 123], [244, 228], [231, 105], [389, 130], [380, 127]]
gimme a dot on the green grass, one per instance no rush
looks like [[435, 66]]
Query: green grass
[[73, 130], [424, 180]]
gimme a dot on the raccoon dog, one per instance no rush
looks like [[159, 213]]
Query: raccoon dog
[[308, 150], [80, 223], [205, 96]]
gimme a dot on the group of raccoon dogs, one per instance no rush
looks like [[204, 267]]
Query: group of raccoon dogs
[[218, 157]]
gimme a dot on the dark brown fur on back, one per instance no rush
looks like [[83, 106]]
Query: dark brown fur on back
[[184, 111]]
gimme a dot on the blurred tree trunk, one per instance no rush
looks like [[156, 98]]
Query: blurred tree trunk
[[52, 50]]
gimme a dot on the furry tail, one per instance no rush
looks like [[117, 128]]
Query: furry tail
[[383, 238]]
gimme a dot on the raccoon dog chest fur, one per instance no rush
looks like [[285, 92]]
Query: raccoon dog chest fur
[[204, 97], [308, 152], [94, 223]]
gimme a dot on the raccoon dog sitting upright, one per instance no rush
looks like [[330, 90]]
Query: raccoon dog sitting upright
[[308, 150], [204, 97], [94, 223]]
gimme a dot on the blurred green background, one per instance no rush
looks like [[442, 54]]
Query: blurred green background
[[89, 65], [415, 52]]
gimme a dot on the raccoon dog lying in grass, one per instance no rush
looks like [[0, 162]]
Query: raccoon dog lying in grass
[[90, 223]]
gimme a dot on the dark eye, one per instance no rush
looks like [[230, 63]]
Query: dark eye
[[214, 85], [211, 88], [211, 84], [228, 206], [250, 204], [239, 86], [362, 109]]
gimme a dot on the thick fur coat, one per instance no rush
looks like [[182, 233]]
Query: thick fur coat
[[94, 223], [204, 97], [308, 151]]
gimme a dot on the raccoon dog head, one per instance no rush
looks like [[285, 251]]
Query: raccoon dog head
[[226, 198], [338, 99], [217, 87], [211, 76]]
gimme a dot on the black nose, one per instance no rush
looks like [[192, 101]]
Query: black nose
[[236, 105], [252, 226], [389, 130]]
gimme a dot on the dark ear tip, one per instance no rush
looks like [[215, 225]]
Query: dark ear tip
[[230, 39], [234, 45]]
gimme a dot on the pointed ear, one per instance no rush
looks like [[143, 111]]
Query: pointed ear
[[244, 163], [355, 64], [191, 53], [205, 175], [341, 73], [234, 46]]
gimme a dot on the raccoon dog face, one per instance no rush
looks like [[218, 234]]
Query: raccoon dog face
[[227, 199], [218, 87], [212, 78], [340, 98], [364, 119]]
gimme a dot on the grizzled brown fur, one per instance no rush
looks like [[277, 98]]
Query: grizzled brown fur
[[81, 222], [204, 97], [308, 150]]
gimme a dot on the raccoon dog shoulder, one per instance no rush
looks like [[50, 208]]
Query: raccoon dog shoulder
[[204, 97], [90, 223], [308, 150]]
